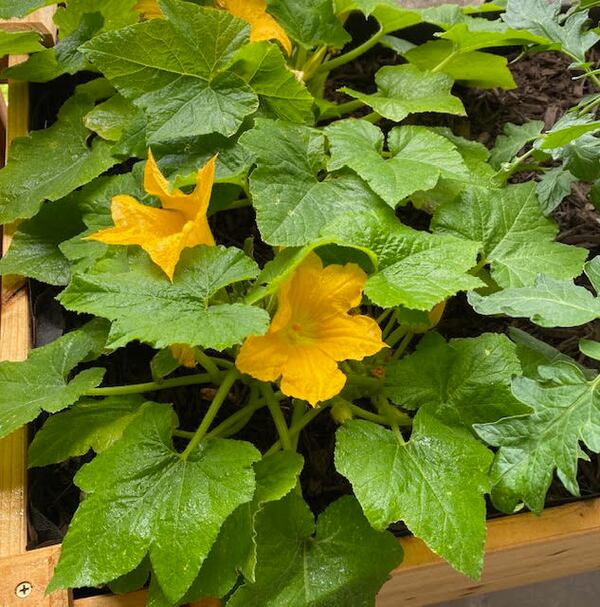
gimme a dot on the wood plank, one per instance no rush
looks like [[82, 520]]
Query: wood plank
[[39, 21], [15, 343], [24, 580], [134, 599], [521, 549]]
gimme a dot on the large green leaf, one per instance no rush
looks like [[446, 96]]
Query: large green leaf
[[90, 424], [34, 249], [144, 498], [310, 23], [418, 157], [281, 94], [544, 19], [518, 241], [41, 383], [116, 14], [293, 205], [19, 43], [389, 13], [548, 303], [415, 269], [341, 562], [405, 89], [20, 8], [50, 164], [144, 305], [435, 483], [182, 84], [566, 413], [513, 138], [465, 381], [474, 68]]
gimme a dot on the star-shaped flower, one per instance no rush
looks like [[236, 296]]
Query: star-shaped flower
[[311, 331], [163, 233]]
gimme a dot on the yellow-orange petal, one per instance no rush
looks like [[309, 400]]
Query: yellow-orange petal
[[263, 26], [205, 179], [311, 375], [184, 355], [149, 9], [263, 357], [350, 337], [165, 252]]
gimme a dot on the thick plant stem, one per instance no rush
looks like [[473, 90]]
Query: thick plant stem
[[186, 380], [362, 381], [368, 415], [403, 345], [277, 415], [209, 366], [297, 413], [298, 427], [351, 55], [218, 400], [234, 423]]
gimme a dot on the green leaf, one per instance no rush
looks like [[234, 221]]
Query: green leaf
[[281, 94], [514, 137], [144, 498], [90, 424], [549, 303], [581, 157], [64, 58], [34, 249], [544, 19], [292, 204], [20, 8], [415, 269], [41, 382], [552, 188], [110, 118], [568, 129], [19, 43], [405, 89], [518, 241], [418, 157], [390, 15], [476, 68], [566, 413], [341, 562], [116, 14], [590, 348], [183, 84], [464, 381], [145, 306], [434, 483], [50, 164], [309, 23]]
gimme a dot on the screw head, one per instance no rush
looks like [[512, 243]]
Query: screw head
[[23, 590]]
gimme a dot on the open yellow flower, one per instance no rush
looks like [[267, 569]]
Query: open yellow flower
[[163, 233], [311, 331]]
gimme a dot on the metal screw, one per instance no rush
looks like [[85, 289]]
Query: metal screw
[[23, 590]]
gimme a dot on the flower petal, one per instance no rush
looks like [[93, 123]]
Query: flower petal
[[311, 375], [263, 357], [350, 337]]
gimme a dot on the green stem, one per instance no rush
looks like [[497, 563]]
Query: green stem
[[368, 415], [312, 64], [590, 106], [297, 413], [209, 366], [503, 174], [183, 434], [393, 338], [384, 315], [176, 382], [216, 404], [277, 415], [362, 381], [373, 117], [234, 423], [351, 55], [237, 204], [221, 362], [390, 324], [298, 427], [403, 345], [342, 109], [442, 64]]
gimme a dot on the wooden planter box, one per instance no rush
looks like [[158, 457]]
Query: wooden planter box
[[521, 549]]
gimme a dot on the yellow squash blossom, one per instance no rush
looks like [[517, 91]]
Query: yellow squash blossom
[[263, 26], [184, 355], [254, 12], [311, 331], [163, 233]]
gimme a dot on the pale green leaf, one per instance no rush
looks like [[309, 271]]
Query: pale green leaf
[[20, 8], [19, 43], [566, 413], [389, 13], [182, 84], [590, 348], [144, 498], [418, 157], [518, 241], [435, 483], [552, 188], [144, 305], [110, 118], [41, 383], [116, 14], [50, 164], [90, 424], [340, 561], [405, 89], [464, 381], [513, 138]]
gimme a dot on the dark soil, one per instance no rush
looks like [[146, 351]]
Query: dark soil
[[545, 90]]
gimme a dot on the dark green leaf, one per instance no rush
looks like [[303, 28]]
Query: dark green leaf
[[514, 137], [553, 187], [115, 13]]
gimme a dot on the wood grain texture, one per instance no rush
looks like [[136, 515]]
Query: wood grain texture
[[31, 570], [14, 345], [134, 599], [39, 21], [521, 549]]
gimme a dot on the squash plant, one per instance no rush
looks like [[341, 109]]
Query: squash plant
[[322, 302]]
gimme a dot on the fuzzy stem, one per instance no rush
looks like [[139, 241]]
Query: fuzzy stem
[[277, 415], [176, 382], [298, 426], [351, 55]]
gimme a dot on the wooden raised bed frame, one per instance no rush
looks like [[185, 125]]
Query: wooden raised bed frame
[[521, 549]]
